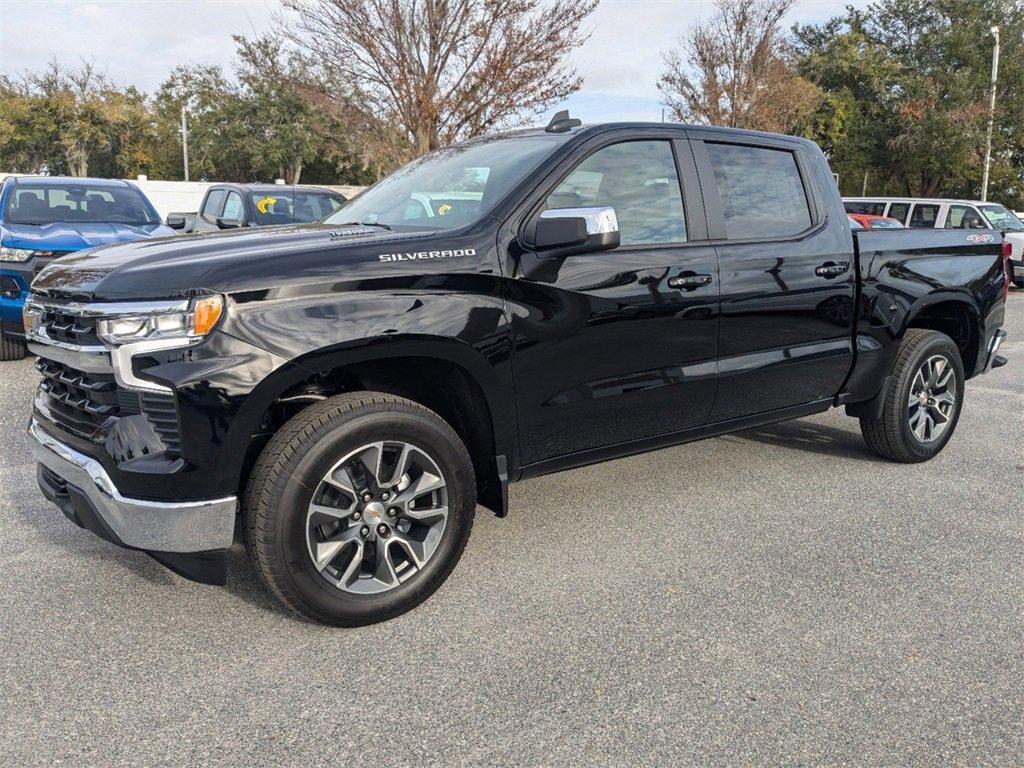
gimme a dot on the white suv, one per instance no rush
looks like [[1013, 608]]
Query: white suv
[[928, 213]]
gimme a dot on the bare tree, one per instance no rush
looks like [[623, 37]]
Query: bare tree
[[737, 69], [419, 74]]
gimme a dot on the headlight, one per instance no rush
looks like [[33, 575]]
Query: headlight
[[15, 254], [188, 325]]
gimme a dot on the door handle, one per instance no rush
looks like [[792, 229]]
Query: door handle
[[832, 269], [689, 282]]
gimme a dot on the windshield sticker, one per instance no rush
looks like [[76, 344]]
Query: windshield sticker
[[459, 253], [263, 204]]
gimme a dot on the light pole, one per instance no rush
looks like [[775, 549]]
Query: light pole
[[184, 141], [991, 113]]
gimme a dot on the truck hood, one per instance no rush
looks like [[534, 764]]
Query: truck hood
[[69, 236], [171, 268]]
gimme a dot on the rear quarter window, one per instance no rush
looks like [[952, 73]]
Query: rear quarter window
[[761, 190]]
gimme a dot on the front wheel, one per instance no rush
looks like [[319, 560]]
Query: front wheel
[[359, 508], [11, 348], [923, 400]]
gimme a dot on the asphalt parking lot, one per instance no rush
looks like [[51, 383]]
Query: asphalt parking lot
[[776, 597]]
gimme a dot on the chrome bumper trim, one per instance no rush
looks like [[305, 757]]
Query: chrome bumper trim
[[88, 359], [993, 347], [194, 526]]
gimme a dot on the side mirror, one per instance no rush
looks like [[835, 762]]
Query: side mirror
[[228, 223], [561, 232], [176, 221]]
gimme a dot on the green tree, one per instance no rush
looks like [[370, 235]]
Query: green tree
[[262, 122], [905, 86]]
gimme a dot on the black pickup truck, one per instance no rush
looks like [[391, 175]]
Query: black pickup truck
[[497, 310]]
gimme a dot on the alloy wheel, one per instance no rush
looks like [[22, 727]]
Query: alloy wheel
[[932, 401], [377, 517]]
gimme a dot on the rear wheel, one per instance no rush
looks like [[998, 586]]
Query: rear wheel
[[359, 508], [11, 348], [923, 401]]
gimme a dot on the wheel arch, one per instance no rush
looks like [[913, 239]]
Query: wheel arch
[[448, 376], [955, 314]]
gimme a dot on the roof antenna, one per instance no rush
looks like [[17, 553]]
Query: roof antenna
[[561, 122]]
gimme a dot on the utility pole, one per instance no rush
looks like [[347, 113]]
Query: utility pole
[[184, 140], [991, 113], [864, 189]]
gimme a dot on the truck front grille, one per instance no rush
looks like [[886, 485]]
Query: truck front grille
[[88, 404], [68, 328], [82, 401]]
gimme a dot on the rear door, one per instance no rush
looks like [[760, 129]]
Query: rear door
[[618, 346], [786, 272]]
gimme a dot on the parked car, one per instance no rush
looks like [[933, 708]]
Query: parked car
[[230, 206], [608, 290], [928, 213], [43, 217], [867, 221]]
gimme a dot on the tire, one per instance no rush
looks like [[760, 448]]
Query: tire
[[893, 435], [10, 348], [322, 461]]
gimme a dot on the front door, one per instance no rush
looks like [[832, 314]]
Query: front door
[[619, 345], [787, 274]]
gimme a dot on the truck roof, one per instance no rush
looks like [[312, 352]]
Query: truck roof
[[588, 128], [265, 187], [39, 181]]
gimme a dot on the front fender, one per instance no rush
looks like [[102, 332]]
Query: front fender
[[456, 318]]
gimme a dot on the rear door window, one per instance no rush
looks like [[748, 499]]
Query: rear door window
[[924, 216], [761, 190]]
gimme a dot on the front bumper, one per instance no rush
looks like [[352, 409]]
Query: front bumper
[[167, 530]]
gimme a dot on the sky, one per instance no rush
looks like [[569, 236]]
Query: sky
[[138, 42]]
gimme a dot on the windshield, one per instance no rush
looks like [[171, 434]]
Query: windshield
[[885, 224], [77, 203], [1000, 218], [287, 207], [450, 187]]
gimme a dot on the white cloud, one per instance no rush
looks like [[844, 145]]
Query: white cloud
[[138, 43]]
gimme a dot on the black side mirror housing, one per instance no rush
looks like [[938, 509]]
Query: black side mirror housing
[[228, 223], [175, 221]]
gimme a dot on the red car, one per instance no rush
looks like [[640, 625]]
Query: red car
[[875, 222]]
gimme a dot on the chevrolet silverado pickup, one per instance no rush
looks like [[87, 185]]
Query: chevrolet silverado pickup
[[496, 310]]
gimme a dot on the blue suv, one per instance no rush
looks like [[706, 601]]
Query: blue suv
[[43, 217]]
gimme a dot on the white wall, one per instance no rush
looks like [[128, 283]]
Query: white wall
[[178, 196]]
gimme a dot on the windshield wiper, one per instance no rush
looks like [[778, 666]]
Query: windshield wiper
[[365, 224]]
